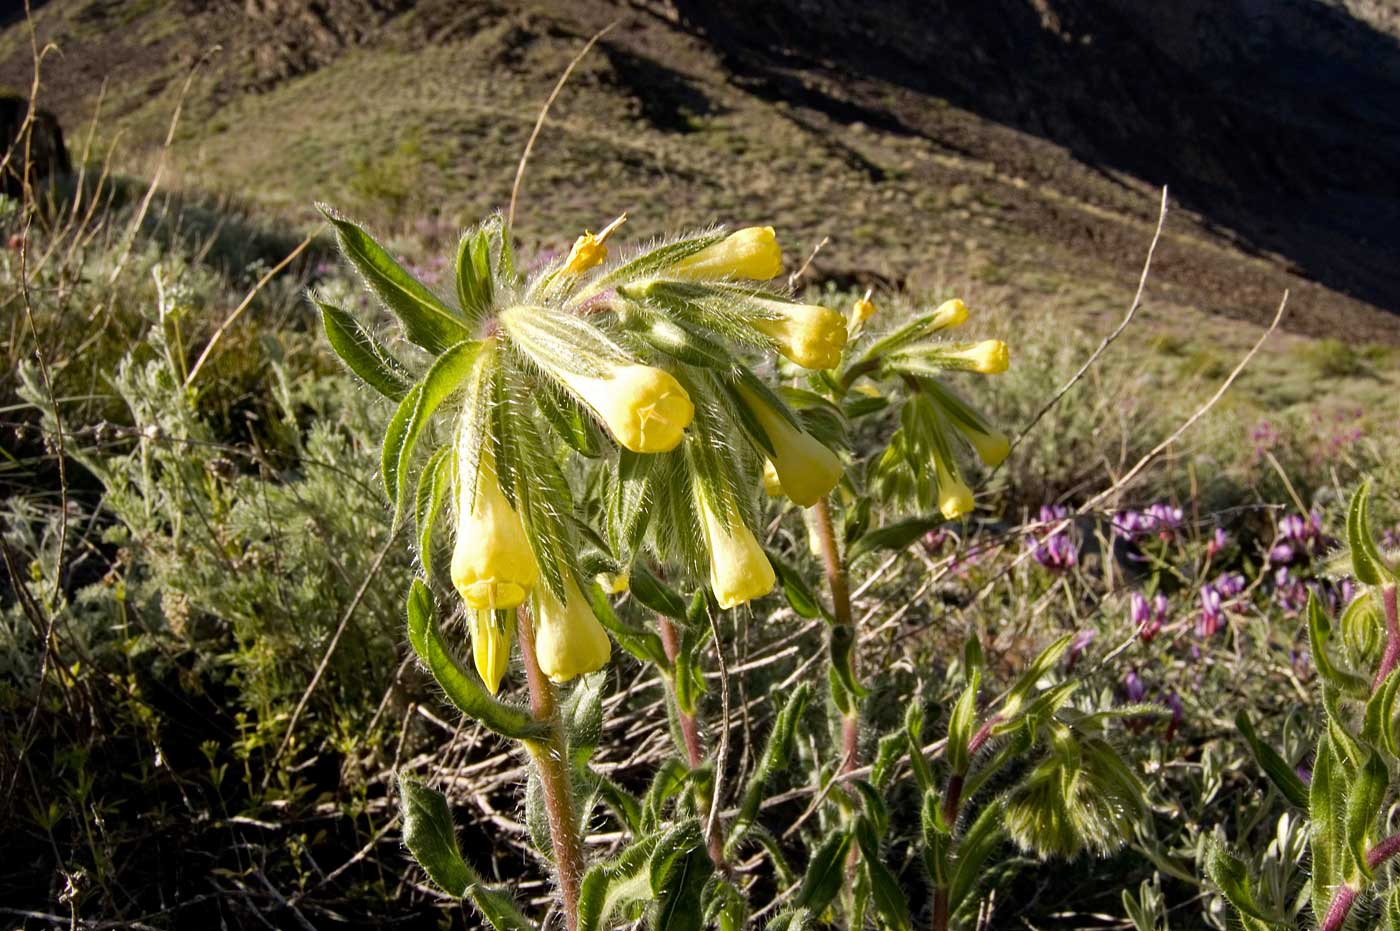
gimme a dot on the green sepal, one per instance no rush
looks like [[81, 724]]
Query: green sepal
[[475, 285], [363, 354], [463, 688], [426, 320]]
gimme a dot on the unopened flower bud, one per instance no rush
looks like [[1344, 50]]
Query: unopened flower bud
[[954, 497], [644, 408], [772, 485], [589, 251], [493, 566], [948, 315], [739, 569], [569, 641], [751, 253], [808, 334], [615, 583], [992, 448], [490, 649], [806, 469], [989, 357]]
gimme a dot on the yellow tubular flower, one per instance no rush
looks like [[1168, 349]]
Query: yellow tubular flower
[[948, 315], [992, 448], [493, 566], [772, 485], [806, 469], [989, 357], [808, 334], [739, 570], [954, 497], [569, 641], [645, 408], [751, 253], [589, 251], [490, 649]]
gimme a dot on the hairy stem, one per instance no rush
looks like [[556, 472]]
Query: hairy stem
[[690, 733], [550, 757], [1391, 656], [1342, 901], [1383, 851], [841, 610]]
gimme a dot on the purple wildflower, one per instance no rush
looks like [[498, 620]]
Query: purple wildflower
[[1217, 542], [1212, 613], [1173, 702], [1132, 685], [1290, 593], [1077, 646], [1148, 617], [1057, 551]]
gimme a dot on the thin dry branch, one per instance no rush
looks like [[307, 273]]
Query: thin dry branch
[[539, 122]]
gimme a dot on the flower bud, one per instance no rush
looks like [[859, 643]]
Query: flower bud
[[569, 641], [806, 470], [989, 357], [615, 583], [808, 334], [490, 649], [751, 253], [493, 567], [992, 448], [589, 251], [645, 408], [948, 315], [739, 569], [954, 497], [864, 309], [772, 485]]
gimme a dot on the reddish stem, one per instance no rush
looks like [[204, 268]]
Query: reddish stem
[[841, 610], [1391, 656], [1383, 851], [690, 733], [549, 756], [1342, 901]]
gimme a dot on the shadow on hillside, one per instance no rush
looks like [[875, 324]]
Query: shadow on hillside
[[1281, 127]]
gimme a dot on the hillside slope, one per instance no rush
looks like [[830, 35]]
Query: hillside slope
[[1014, 143]]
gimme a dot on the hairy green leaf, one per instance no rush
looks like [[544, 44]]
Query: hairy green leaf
[[1275, 767], [364, 354], [826, 872]]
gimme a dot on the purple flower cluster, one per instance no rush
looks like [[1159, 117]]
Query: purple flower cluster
[[1077, 646], [1056, 551], [1148, 616], [1216, 598], [1299, 538], [1160, 520]]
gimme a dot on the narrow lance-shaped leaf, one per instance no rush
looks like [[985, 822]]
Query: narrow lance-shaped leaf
[[976, 846], [893, 537], [1366, 560], [429, 834], [462, 687], [776, 753], [446, 375], [1330, 855], [609, 888], [1283, 776], [641, 643], [656, 594], [1231, 875], [826, 872], [1319, 632], [474, 280], [1364, 808], [426, 320], [434, 486], [841, 642], [364, 354], [888, 898]]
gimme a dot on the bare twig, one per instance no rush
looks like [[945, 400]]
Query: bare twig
[[1107, 340], [797, 275], [238, 311], [539, 122]]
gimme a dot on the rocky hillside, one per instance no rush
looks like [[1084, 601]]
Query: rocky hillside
[[1016, 142]]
